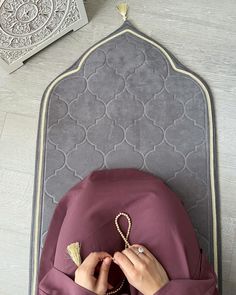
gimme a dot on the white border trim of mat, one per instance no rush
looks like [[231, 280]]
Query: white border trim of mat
[[42, 123]]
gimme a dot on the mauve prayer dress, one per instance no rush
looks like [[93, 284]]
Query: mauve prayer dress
[[159, 222]]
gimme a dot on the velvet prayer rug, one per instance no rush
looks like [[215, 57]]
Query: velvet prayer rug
[[128, 102]]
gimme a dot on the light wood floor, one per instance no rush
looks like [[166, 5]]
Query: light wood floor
[[201, 34]]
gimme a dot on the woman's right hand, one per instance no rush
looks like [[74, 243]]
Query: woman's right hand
[[143, 271]]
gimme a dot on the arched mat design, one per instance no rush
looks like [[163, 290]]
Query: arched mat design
[[127, 102]]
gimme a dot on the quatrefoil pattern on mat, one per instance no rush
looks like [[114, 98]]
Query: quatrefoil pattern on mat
[[127, 106]]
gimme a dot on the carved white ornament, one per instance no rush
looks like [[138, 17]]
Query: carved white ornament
[[26, 24]]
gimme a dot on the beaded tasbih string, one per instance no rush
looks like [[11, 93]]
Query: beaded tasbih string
[[127, 244], [74, 249]]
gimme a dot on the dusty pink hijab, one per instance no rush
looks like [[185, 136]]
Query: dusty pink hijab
[[87, 213]]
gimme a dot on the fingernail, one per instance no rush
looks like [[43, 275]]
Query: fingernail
[[107, 260]]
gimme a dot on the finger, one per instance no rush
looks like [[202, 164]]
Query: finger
[[102, 282], [146, 251], [139, 257], [91, 261], [131, 254], [123, 261]]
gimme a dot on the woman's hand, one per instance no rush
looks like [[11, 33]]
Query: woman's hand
[[85, 273], [143, 271]]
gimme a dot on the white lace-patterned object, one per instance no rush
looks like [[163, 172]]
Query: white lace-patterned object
[[27, 26]]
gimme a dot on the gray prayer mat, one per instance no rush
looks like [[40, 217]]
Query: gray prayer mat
[[127, 102]]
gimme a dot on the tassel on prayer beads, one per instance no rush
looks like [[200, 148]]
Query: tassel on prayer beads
[[74, 252]]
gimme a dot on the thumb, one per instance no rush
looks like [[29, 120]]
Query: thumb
[[102, 281]]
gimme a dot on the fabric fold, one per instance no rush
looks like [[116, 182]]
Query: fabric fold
[[58, 283]]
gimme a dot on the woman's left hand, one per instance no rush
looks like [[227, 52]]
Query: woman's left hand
[[84, 275], [143, 271]]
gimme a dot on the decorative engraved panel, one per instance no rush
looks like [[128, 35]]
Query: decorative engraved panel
[[27, 26]]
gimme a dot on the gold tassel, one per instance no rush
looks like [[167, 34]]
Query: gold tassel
[[123, 10], [74, 252]]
